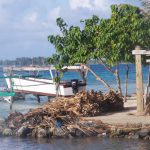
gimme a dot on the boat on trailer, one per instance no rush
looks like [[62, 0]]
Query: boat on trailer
[[41, 86]]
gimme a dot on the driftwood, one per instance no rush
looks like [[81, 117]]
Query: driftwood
[[63, 116]]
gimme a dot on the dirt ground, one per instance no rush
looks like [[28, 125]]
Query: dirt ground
[[126, 116]]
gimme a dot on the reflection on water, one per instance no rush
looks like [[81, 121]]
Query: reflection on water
[[72, 144]]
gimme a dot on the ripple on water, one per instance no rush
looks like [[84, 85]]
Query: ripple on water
[[9, 143]]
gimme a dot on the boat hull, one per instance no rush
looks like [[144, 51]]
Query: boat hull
[[42, 87]]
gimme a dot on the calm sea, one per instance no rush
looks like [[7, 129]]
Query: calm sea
[[9, 143], [91, 143]]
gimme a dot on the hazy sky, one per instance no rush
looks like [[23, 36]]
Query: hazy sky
[[26, 24]]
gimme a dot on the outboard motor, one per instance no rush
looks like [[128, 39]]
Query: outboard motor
[[74, 84]]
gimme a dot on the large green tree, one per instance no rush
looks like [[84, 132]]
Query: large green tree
[[110, 41], [119, 35], [76, 45]]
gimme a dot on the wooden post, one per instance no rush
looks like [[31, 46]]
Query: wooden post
[[11, 102], [38, 99], [139, 83]]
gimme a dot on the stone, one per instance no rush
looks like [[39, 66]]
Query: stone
[[1, 130], [104, 134], [121, 136], [113, 129], [126, 137], [135, 136], [41, 133], [7, 132], [2, 121], [112, 135], [70, 136], [79, 133], [131, 133], [99, 135], [61, 132], [23, 131], [143, 133], [147, 137], [116, 133], [119, 132]]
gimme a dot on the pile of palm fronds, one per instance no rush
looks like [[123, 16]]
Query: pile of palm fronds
[[62, 117]]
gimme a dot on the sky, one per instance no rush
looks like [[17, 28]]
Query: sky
[[26, 24]]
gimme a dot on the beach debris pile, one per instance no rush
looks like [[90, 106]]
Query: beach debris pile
[[42, 125], [65, 116], [95, 103]]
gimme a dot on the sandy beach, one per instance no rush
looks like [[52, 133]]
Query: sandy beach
[[126, 116]]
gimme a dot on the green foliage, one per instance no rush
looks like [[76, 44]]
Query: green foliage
[[55, 60], [74, 44], [112, 39], [119, 35], [58, 77]]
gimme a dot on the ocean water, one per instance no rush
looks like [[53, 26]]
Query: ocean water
[[74, 144], [92, 83], [92, 143]]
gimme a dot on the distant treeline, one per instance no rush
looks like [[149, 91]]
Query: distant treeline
[[25, 61]]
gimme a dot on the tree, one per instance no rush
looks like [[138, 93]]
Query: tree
[[110, 39], [74, 45], [119, 35], [56, 60]]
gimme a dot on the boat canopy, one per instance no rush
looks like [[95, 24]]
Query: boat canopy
[[5, 94], [3, 91], [39, 68]]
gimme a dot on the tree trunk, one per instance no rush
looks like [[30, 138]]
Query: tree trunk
[[100, 79], [116, 74], [118, 80], [57, 85], [125, 84]]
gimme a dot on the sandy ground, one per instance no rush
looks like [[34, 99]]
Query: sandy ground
[[126, 116]]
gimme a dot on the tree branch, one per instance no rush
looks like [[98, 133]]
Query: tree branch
[[106, 67], [100, 79]]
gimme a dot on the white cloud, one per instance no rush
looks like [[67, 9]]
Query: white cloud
[[78, 4], [51, 18], [53, 14], [101, 5], [31, 18], [29, 22]]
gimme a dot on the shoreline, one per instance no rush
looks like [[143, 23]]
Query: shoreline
[[94, 128], [128, 115], [121, 124]]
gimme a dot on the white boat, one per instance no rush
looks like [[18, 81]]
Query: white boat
[[42, 86]]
